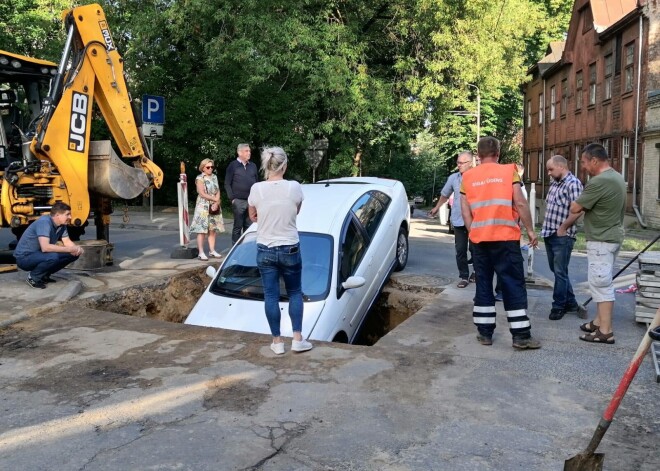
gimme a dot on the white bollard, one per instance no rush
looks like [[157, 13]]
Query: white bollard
[[532, 208], [182, 197]]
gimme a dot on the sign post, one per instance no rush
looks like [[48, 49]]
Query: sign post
[[153, 121]]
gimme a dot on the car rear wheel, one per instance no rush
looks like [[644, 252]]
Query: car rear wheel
[[401, 250]]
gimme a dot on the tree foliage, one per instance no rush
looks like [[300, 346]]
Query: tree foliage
[[377, 78]]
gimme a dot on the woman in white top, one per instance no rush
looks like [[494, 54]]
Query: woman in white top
[[274, 205]]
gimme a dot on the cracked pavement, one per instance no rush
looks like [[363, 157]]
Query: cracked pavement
[[84, 389]]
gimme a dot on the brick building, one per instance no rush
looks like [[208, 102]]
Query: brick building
[[601, 85]]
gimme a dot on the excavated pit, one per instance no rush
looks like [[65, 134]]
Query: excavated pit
[[171, 299]]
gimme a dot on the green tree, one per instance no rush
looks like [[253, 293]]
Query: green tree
[[33, 27]]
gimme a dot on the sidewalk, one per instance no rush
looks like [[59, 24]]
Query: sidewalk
[[94, 390], [18, 301]]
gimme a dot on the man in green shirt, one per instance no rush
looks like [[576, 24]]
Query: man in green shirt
[[603, 204]]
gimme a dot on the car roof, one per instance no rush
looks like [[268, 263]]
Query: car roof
[[327, 202]]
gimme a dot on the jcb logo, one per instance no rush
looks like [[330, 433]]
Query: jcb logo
[[78, 126], [106, 35]]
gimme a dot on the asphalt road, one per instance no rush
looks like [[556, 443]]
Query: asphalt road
[[432, 252], [85, 389]]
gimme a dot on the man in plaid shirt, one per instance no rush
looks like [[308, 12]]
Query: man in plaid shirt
[[559, 234]]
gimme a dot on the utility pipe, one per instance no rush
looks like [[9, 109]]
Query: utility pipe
[[639, 81], [542, 159]]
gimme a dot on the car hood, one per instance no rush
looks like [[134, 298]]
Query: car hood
[[248, 315]]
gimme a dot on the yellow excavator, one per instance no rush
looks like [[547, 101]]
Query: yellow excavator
[[45, 150]]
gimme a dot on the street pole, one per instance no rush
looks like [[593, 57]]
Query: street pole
[[151, 193], [478, 111]]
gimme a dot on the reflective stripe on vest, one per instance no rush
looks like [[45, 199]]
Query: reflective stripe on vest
[[499, 202], [494, 222]]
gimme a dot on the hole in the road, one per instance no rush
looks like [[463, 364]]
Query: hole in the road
[[171, 299]]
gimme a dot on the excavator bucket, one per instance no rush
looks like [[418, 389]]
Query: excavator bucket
[[110, 176]]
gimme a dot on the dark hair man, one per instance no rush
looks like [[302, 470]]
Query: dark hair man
[[559, 233], [38, 252], [492, 205], [603, 203], [453, 186], [241, 175]]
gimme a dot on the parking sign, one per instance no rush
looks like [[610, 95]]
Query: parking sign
[[153, 115]]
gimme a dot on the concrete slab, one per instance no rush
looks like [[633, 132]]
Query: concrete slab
[[94, 390]]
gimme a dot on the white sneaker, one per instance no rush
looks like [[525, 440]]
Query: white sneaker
[[214, 254], [277, 348], [202, 257], [301, 346]]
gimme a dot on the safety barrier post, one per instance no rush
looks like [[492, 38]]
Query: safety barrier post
[[183, 251], [182, 197], [530, 251]]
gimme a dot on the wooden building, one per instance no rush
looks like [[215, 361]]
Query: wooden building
[[601, 85]]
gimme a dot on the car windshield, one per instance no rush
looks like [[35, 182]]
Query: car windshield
[[239, 276]]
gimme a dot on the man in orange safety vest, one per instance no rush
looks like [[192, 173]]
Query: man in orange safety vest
[[492, 206]]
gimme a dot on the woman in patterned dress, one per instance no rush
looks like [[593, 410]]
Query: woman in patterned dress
[[208, 201]]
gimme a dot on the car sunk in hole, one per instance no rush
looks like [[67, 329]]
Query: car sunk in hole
[[353, 234]]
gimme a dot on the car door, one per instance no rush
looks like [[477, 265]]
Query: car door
[[359, 257]]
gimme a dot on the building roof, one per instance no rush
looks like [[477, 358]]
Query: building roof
[[553, 55], [608, 12], [605, 14]]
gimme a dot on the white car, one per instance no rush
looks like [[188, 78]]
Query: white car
[[353, 234]]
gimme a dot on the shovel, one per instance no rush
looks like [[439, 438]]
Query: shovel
[[582, 308], [588, 460]]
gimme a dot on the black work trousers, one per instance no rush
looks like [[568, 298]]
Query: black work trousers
[[462, 244], [241, 219]]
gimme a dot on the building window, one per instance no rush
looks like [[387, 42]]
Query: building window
[[529, 113], [606, 144], [578, 91], [576, 159], [588, 20], [608, 76], [625, 154], [529, 164], [592, 84], [541, 110], [629, 74], [564, 96], [553, 97]]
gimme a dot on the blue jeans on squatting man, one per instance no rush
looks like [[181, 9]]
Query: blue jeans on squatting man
[[284, 260], [41, 265], [505, 259], [559, 255]]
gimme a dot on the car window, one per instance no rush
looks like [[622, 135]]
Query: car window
[[352, 250], [370, 209], [239, 275]]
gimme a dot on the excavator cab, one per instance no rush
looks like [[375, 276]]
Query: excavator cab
[[23, 87]]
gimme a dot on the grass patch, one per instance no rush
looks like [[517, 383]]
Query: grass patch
[[632, 242]]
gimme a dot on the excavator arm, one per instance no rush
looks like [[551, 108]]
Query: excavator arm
[[57, 161]]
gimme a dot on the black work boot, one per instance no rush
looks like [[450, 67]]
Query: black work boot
[[556, 314]]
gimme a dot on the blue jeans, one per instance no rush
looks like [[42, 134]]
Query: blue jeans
[[504, 259], [559, 255], [41, 265], [285, 261]]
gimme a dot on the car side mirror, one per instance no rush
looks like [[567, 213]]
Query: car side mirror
[[210, 271], [353, 282]]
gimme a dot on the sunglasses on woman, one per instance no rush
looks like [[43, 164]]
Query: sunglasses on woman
[[209, 166]]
